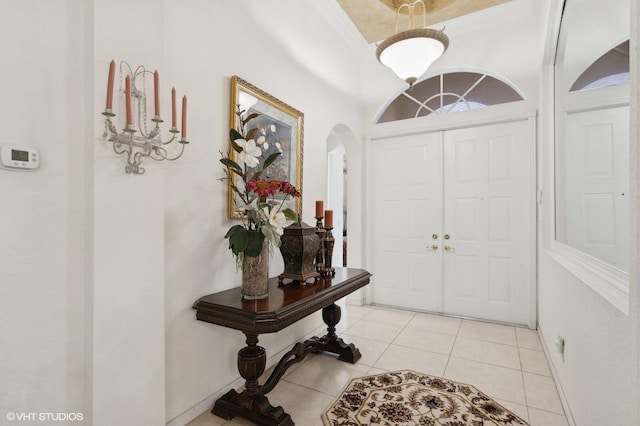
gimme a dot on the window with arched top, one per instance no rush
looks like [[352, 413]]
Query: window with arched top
[[450, 92], [610, 69]]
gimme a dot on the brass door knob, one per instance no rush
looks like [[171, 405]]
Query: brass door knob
[[449, 249], [433, 247]]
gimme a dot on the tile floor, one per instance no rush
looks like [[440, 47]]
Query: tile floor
[[505, 362]]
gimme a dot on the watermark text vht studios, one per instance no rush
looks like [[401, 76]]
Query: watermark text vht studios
[[44, 417]]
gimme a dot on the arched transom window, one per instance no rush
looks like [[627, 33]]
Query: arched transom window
[[451, 92], [611, 69]]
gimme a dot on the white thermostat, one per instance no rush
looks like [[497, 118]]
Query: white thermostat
[[19, 157]]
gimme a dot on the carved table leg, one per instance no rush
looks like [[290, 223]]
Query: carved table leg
[[331, 342], [251, 403]]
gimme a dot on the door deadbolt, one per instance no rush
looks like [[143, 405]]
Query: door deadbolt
[[447, 236], [434, 236]]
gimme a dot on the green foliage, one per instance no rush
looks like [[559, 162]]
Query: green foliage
[[244, 241], [290, 214], [238, 239], [250, 134], [233, 135], [249, 118], [270, 159], [232, 165], [254, 246]]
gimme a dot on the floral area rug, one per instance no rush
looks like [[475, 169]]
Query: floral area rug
[[409, 398]]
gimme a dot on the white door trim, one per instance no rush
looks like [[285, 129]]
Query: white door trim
[[513, 111]]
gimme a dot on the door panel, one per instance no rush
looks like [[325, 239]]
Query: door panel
[[597, 171], [487, 214], [406, 212]]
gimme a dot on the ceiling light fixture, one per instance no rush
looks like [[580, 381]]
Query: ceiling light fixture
[[410, 53]]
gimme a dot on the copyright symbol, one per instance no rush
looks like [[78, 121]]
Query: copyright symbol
[[11, 416]]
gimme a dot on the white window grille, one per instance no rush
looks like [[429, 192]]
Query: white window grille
[[447, 93]]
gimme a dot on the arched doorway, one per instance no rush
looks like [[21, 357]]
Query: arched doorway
[[337, 194]]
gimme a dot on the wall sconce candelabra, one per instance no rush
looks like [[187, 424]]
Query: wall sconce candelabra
[[136, 141]]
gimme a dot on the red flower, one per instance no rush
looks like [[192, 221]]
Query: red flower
[[287, 188], [264, 188]]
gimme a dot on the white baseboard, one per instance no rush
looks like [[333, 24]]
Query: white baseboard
[[238, 384], [556, 380], [204, 405]]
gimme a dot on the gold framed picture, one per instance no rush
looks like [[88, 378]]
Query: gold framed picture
[[280, 128]]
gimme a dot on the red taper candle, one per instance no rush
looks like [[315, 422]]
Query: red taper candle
[[173, 107], [184, 117], [112, 72], [127, 91], [156, 92]]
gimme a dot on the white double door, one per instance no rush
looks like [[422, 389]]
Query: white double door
[[452, 220]]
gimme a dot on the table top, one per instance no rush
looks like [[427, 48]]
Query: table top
[[284, 306]]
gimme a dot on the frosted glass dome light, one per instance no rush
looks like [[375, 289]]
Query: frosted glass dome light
[[410, 53]]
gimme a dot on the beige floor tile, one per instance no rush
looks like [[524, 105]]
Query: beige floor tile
[[403, 358], [291, 369], [305, 406], [207, 419], [427, 340], [239, 421], [346, 321], [545, 418], [517, 409], [370, 349], [437, 323], [375, 330], [267, 373], [488, 332], [497, 382], [534, 361], [487, 356], [373, 371], [350, 314], [356, 311], [528, 339], [314, 373], [541, 393], [390, 316], [487, 352], [320, 330]]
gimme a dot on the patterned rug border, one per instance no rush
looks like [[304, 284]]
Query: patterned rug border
[[512, 419]]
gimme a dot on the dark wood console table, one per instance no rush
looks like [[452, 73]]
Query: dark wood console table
[[284, 306]]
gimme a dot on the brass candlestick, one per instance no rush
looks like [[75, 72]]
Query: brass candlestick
[[321, 231], [328, 244]]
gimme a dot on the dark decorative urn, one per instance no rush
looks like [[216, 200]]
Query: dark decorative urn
[[299, 246]]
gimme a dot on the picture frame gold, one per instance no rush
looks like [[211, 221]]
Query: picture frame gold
[[284, 128]]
